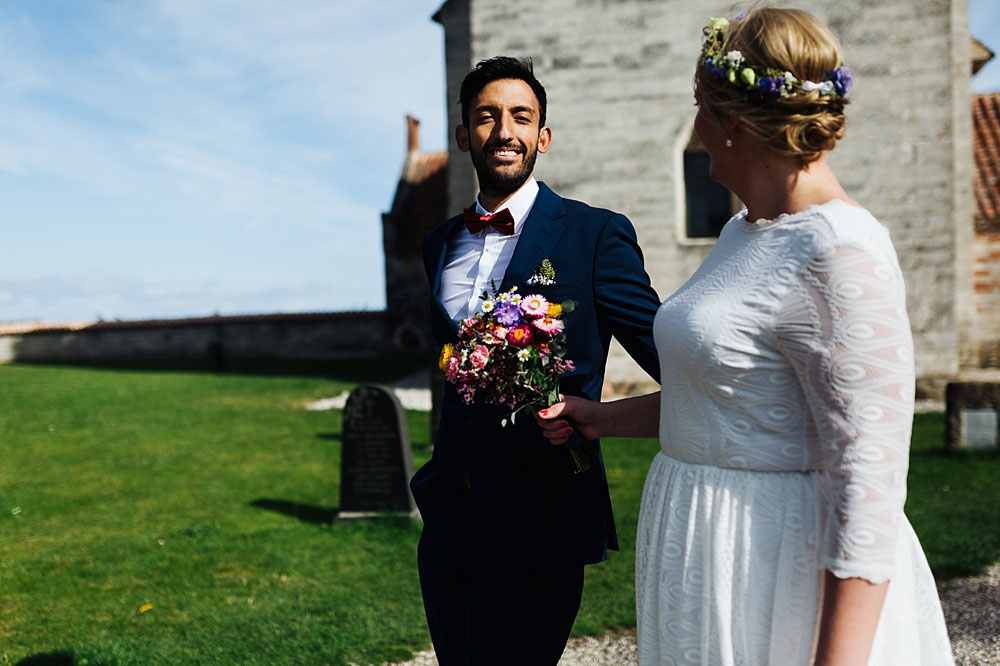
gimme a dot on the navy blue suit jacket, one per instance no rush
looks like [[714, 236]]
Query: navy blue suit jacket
[[526, 500]]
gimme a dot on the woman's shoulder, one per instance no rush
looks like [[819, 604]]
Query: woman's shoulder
[[845, 223], [845, 228]]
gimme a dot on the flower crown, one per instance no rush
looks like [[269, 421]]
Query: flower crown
[[762, 83]]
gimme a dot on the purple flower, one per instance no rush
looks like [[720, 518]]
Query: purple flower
[[769, 88], [741, 16], [714, 69], [507, 313], [842, 80]]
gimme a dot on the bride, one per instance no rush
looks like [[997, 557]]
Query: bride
[[772, 528]]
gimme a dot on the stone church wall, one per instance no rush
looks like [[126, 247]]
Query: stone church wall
[[619, 79]]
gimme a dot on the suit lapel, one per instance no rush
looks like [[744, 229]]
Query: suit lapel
[[541, 232], [439, 251]]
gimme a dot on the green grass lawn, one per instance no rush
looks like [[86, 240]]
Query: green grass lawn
[[208, 497]]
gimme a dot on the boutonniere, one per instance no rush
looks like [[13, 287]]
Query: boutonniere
[[544, 275]]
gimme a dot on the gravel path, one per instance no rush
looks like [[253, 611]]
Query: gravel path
[[971, 609]]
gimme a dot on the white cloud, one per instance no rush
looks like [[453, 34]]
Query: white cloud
[[148, 125]]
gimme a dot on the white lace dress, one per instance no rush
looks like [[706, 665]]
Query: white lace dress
[[787, 373]]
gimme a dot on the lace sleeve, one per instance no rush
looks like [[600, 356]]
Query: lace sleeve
[[845, 331]]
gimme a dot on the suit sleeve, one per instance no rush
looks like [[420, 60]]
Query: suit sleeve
[[626, 301]]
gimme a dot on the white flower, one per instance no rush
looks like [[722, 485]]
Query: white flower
[[489, 339], [824, 88], [524, 354], [16, 511], [788, 82], [717, 23], [732, 59], [515, 299], [488, 305]]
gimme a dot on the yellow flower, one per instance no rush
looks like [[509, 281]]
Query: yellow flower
[[554, 310], [446, 353], [145, 608]]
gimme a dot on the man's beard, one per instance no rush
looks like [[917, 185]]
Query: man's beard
[[496, 183]]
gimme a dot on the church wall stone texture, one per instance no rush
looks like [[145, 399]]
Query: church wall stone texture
[[619, 79]]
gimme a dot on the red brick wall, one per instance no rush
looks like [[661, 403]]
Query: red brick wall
[[986, 298]]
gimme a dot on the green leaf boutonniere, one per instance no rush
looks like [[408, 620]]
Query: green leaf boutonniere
[[544, 275]]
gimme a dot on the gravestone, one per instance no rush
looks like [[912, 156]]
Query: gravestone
[[971, 415], [376, 458]]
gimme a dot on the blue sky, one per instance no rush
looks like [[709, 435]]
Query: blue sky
[[186, 157], [167, 158]]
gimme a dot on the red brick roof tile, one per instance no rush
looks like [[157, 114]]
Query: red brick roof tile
[[986, 151]]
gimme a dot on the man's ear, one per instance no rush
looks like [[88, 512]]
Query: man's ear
[[544, 139], [462, 138]]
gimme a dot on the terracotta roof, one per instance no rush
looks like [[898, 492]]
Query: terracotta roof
[[981, 54], [421, 166], [40, 327], [420, 203], [986, 149]]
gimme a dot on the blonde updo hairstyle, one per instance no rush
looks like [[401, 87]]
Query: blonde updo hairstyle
[[801, 126]]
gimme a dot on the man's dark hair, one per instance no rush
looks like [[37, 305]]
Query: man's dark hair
[[494, 69]]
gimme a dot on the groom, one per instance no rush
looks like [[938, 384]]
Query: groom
[[508, 525]]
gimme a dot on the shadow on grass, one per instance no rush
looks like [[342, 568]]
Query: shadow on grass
[[335, 436], [307, 513]]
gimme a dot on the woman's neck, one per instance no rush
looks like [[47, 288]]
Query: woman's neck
[[773, 185]]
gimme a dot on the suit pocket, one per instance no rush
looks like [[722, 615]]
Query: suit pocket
[[557, 293]]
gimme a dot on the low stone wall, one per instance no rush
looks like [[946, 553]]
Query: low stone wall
[[312, 336]]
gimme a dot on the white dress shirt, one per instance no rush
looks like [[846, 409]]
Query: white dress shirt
[[472, 261]]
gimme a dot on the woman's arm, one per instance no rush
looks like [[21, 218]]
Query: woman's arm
[[844, 330], [851, 608], [629, 417]]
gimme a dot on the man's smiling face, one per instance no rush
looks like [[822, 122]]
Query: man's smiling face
[[503, 136]]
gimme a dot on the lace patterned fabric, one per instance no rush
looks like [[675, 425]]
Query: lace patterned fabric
[[787, 378]]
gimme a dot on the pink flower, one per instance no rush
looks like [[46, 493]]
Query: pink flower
[[534, 305], [479, 356], [467, 328], [500, 333], [549, 325], [467, 392], [451, 369], [520, 336]]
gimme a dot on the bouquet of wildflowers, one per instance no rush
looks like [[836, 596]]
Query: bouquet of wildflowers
[[511, 354]]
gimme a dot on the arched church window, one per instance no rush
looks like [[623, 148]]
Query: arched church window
[[708, 205]]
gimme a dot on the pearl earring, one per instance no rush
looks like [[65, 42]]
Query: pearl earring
[[729, 143]]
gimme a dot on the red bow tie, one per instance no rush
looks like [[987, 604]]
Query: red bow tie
[[502, 221]]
